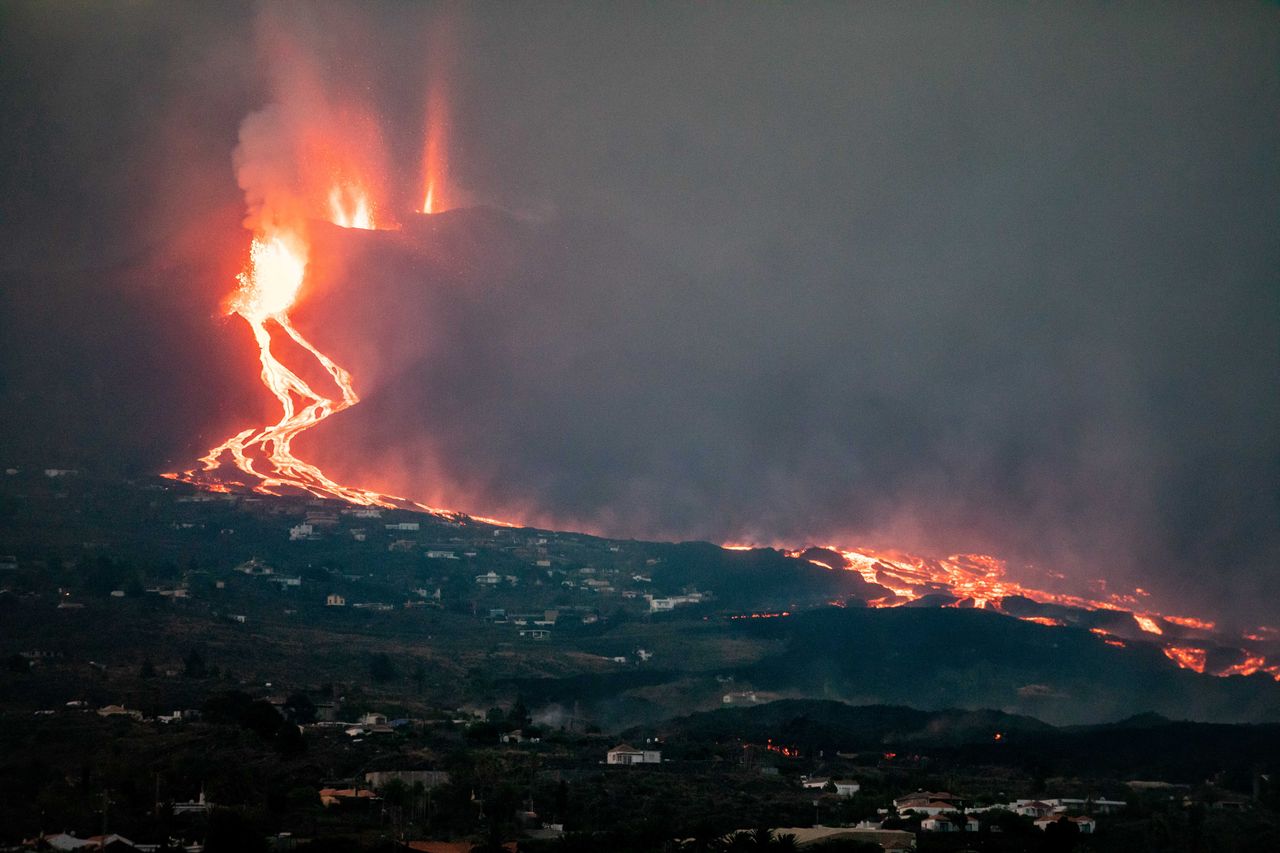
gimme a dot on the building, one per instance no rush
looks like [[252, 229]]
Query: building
[[624, 754], [255, 568], [427, 778], [346, 797], [950, 823], [303, 532], [334, 600], [847, 787], [1086, 825], [197, 806], [1034, 808]]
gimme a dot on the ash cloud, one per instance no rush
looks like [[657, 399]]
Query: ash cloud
[[969, 278]]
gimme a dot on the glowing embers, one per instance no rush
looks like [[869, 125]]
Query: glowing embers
[[1191, 622], [1044, 620], [1186, 657], [1147, 624]]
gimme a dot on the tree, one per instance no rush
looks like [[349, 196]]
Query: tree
[[232, 832], [419, 675], [194, 665], [299, 709], [148, 669], [518, 716], [381, 668]]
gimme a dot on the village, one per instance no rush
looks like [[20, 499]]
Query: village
[[241, 672], [398, 792]]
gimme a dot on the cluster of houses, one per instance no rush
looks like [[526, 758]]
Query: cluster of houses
[[109, 843], [944, 813]]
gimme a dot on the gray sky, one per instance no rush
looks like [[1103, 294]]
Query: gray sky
[[946, 276]]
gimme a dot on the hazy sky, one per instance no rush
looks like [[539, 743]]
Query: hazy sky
[[947, 276]]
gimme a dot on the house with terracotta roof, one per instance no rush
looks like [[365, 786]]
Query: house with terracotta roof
[[926, 802], [330, 797], [625, 754], [1086, 825]]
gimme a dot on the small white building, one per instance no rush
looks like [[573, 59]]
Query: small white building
[[489, 578], [302, 532], [624, 754], [847, 787]]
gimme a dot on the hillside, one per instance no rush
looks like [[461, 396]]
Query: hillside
[[121, 572]]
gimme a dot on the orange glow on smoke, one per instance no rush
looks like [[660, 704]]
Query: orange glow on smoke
[[349, 207], [435, 163]]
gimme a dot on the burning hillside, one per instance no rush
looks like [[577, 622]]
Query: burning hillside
[[979, 581], [315, 159]]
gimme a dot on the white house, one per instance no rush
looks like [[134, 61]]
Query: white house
[[847, 787], [302, 532], [942, 823], [255, 568], [489, 578], [624, 754]]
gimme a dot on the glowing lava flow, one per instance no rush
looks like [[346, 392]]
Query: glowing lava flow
[[980, 581], [268, 288]]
